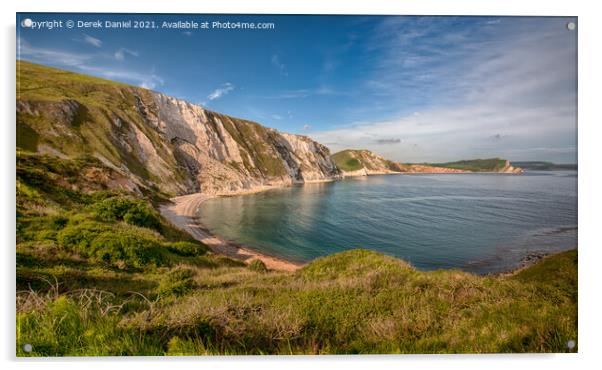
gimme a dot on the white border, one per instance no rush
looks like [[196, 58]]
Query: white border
[[589, 185]]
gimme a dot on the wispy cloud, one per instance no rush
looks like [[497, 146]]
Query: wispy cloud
[[322, 90], [279, 65], [92, 40], [91, 63], [306, 127], [122, 52], [224, 89], [519, 86], [44, 55], [388, 141]]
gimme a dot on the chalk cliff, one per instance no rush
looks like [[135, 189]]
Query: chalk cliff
[[159, 141]]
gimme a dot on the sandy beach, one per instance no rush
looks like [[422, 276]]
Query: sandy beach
[[181, 212]]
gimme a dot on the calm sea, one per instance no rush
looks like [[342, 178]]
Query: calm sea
[[475, 222]]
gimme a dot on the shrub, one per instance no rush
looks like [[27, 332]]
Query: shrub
[[187, 249], [177, 282], [257, 266], [57, 222], [78, 237], [131, 249], [139, 214], [135, 212]]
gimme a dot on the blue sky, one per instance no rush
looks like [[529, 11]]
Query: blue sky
[[410, 88]]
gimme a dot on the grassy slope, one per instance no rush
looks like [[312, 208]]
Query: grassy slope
[[475, 165], [345, 161], [79, 298], [351, 160]]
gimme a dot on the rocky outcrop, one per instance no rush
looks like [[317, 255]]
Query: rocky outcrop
[[508, 168], [160, 141]]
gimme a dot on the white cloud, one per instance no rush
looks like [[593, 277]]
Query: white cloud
[[88, 63], [121, 53], [521, 87], [44, 55], [221, 91], [306, 127], [92, 40], [144, 80]]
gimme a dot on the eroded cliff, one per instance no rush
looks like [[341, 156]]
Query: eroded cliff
[[156, 140]]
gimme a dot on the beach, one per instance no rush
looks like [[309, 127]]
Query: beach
[[181, 212]]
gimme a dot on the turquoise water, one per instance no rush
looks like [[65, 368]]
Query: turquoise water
[[475, 222]]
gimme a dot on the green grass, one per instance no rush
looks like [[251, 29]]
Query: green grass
[[346, 161], [475, 165], [353, 302]]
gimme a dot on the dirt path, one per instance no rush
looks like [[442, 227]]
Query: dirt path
[[182, 213]]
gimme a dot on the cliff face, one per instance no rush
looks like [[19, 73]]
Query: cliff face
[[508, 168], [159, 141]]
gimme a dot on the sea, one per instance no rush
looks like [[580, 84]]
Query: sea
[[482, 223]]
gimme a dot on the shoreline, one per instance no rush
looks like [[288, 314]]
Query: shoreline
[[181, 212]]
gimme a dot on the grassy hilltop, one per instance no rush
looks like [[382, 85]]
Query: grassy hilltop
[[101, 272], [356, 159], [475, 165]]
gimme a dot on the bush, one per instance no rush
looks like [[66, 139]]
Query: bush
[[257, 266], [78, 237], [135, 212], [140, 215], [131, 249], [94, 239], [187, 249], [177, 282]]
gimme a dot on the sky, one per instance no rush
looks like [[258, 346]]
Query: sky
[[410, 88]]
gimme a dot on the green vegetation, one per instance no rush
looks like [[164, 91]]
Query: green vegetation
[[257, 266], [353, 160], [544, 166], [101, 272], [475, 165], [258, 141], [346, 161], [91, 281]]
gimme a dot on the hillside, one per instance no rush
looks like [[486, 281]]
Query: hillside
[[481, 165], [158, 141], [544, 166], [363, 162], [100, 272]]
